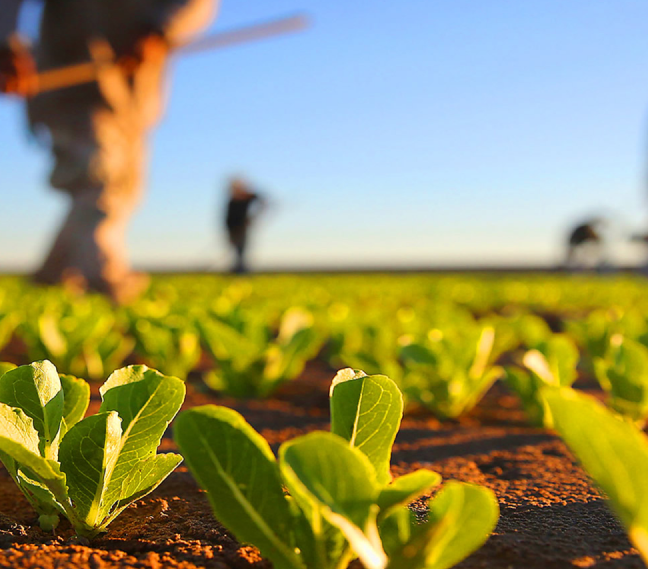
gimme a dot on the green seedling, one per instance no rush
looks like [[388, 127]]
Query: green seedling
[[612, 451], [170, 344], [552, 363], [517, 330], [85, 340], [595, 331], [532, 330], [249, 363], [342, 501], [87, 470], [9, 321], [371, 339], [451, 373], [364, 344], [623, 375]]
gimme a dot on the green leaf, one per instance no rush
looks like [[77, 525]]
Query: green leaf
[[104, 467], [624, 376], [226, 343], [527, 385], [46, 470], [367, 411], [41, 497], [453, 372], [482, 352], [143, 479], [18, 427], [563, 356], [36, 389], [38, 478], [5, 367], [396, 529], [332, 481], [532, 330], [418, 354], [461, 518], [406, 489], [237, 468], [555, 360], [146, 402], [51, 337], [75, 403], [612, 451], [293, 321], [88, 454], [286, 360], [321, 466], [536, 362]]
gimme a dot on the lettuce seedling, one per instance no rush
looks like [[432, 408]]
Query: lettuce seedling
[[342, 502], [171, 344], [87, 470], [83, 338], [367, 344], [612, 451], [520, 329], [623, 375], [9, 321], [249, 363], [450, 375], [552, 363]]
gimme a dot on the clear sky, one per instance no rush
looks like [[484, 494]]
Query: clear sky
[[410, 132]]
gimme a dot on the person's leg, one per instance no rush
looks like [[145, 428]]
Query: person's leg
[[240, 266], [98, 162], [238, 240], [98, 136]]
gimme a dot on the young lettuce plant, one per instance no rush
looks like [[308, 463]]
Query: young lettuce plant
[[365, 344], [595, 331], [171, 344], [252, 365], [87, 470], [451, 373], [612, 451], [342, 502], [84, 339], [623, 375], [552, 363]]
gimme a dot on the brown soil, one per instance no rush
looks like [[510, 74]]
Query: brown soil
[[551, 516]]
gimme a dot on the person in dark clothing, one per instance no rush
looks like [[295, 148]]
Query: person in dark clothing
[[243, 207], [585, 244]]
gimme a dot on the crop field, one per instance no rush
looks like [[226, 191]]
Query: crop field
[[327, 421]]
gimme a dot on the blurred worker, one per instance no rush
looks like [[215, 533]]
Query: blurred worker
[[243, 207], [642, 239], [585, 245], [97, 131]]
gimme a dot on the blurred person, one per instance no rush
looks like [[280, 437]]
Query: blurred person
[[585, 245], [243, 208], [97, 131], [642, 239]]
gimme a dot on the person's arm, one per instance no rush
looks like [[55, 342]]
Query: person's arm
[[166, 25], [259, 206], [180, 20], [17, 66]]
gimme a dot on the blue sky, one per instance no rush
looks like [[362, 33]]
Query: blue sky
[[411, 132]]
